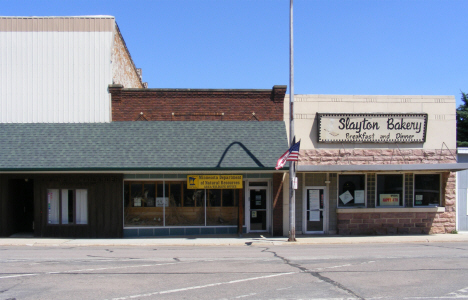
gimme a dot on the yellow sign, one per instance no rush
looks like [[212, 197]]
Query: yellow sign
[[214, 181]]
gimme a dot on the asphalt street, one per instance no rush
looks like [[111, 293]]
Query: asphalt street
[[249, 270]]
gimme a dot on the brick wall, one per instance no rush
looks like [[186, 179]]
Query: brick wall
[[376, 156], [403, 222], [370, 221], [197, 105], [124, 71]]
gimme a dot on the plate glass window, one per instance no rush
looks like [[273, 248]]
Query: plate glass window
[[171, 203], [426, 189], [351, 190], [390, 190]]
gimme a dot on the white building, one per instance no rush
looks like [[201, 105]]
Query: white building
[[58, 69]]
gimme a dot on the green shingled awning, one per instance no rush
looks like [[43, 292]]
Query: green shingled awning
[[171, 145]]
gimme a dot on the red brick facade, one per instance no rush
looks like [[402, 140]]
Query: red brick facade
[[205, 105], [407, 220], [197, 104], [403, 222]]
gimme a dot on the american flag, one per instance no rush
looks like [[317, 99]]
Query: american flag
[[291, 155]]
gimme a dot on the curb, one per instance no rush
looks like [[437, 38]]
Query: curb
[[217, 241]]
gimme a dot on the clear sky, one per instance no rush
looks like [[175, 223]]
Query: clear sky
[[365, 47]]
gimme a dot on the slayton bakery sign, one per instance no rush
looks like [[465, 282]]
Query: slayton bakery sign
[[372, 128]]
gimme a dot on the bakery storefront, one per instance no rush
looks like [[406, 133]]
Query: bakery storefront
[[375, 164]]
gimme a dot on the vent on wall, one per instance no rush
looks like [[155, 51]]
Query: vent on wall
[[141, 117]]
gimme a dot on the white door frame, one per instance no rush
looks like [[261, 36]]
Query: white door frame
[[304, 209], [247, 205]]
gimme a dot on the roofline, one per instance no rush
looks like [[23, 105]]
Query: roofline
[[192, 90], [374, 96], [59, 17], [133, 170]]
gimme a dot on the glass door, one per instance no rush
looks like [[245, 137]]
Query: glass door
[[258, 209], [313, 210]]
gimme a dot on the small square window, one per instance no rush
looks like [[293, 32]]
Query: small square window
[[426, 189], [390, 190], [352, 190]]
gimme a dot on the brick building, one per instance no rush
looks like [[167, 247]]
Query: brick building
[[149, 178], [375, 164]]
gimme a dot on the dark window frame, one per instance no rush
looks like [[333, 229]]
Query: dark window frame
[[401, 193], [339, 192], [439, 182]]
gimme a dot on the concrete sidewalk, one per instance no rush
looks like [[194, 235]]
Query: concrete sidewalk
[[234, 240]]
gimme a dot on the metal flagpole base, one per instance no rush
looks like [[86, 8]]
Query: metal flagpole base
[[291, 238]]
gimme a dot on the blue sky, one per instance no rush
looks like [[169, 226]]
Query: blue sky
[[376, 47]]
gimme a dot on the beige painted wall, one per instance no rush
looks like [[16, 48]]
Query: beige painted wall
[[441, 110]]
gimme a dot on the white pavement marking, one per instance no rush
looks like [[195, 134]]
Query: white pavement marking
[[341, 266], [243, 296], [202, 286], [460, 294], [21, 275], [286, 288], [89, 270]]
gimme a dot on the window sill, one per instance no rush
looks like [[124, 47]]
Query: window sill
[[399, 209]]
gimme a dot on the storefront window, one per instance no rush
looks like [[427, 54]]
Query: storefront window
[[351, 190], [67, 206], [426, 189], [176, 205], [390, 190]]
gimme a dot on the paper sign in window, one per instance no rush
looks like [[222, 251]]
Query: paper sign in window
[[359, 196], [346, 197], [390, 199], [137, 201], [160, 201], [314, 205]]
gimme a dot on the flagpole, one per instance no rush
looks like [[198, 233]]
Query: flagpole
[[292, 173]]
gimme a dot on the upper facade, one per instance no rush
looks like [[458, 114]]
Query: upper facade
[[197, 104], [58, 69], [435, 114]]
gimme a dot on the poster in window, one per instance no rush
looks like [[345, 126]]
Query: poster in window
[[346, 197], [160, 201], [314, 205], [137, 201], [359, 196], [390, 199], [419, 199], [254, 214], [258, 200]]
